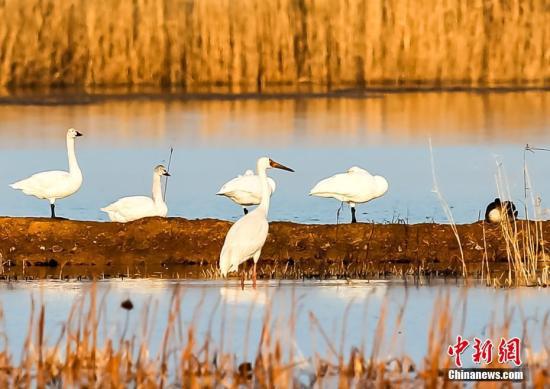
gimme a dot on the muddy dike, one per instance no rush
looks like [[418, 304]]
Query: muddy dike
[[33, 248]]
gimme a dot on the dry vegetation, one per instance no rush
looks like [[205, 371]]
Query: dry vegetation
[[187, 358], [255, 43], [526, 247]]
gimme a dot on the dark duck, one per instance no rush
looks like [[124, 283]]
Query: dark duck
[[498, 210]]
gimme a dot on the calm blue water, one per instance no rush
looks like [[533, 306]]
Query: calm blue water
[[216, 140]]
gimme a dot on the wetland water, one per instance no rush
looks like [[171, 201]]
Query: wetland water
[[215, 140], [348, 312]]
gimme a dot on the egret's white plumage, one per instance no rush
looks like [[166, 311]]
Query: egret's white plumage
[[245, 190], [355, 186], [245, 239], [136, 207], [54, 185]]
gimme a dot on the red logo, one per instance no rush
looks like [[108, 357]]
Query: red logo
[[483, 351], [457, 349], [509, 351]]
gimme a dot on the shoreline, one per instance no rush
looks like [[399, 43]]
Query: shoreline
[[41, 248], [67, 96]]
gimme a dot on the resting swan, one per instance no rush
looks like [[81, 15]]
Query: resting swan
[[356, 186], [55, 184], [245, 190], [136, 207]]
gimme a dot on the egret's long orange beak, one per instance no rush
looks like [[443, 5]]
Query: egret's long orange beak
[[277, 165]]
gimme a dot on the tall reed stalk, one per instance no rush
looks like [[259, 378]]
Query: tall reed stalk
[[447, 210], [524, 240]]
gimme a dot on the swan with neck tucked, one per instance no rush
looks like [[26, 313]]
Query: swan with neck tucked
[[356, 186], [245, 190], [55, 184], [136, 207], [246, 238]]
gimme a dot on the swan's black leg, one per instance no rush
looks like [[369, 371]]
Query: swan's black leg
[[52, 207], [353, 219], [245, 211]]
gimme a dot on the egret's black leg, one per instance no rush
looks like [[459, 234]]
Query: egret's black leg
[[245, 211], [353, 219], [52, 207]]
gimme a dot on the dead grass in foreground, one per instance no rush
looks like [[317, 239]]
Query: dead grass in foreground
[[78, 358]]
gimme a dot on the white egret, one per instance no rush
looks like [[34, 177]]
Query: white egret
[[246, 238], [136, 207], [245, 190], [353, 187], [498, 210], [55, 184]]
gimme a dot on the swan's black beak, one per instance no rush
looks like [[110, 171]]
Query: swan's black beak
[[166, 174], [277, 165], [78, 134]]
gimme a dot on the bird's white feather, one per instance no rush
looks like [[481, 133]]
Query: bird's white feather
[[245, 190], [132, 208], [243, 241], [49, 185], [55, 184], [246, 237], [355, 186]]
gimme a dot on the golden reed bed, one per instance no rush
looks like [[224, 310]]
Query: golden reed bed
[[257, 43]]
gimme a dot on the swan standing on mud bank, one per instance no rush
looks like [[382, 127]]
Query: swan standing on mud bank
[[246, 238], [55, 184], [136, 207], [353, 187], [245, 190]]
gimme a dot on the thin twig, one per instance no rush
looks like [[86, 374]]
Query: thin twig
[[168, 169], [532, 149], [446, 208]]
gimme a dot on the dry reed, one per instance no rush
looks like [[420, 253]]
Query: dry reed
[[79, 359], [524, 239], [254, 43], [447, 210]]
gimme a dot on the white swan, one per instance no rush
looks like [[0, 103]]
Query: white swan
[[245, 239], [245, 190], [136, 207], [53, 185], [353, 187]]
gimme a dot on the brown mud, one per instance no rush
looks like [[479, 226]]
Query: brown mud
[[178, 248]]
